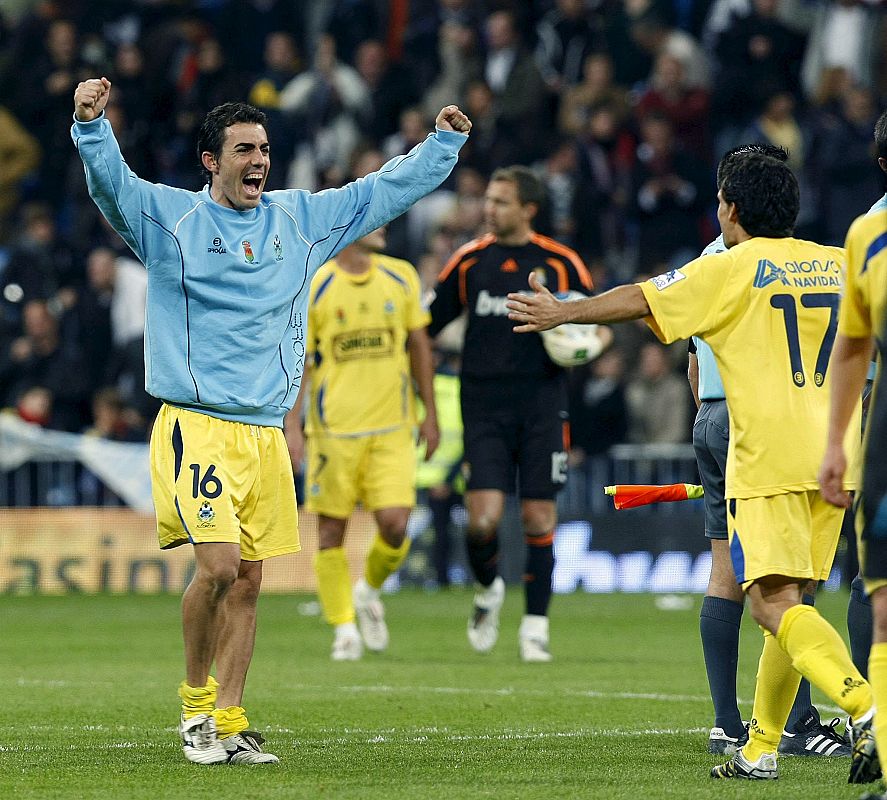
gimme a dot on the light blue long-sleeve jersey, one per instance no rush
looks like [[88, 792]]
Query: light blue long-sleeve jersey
[[710, 385], [228, 290], [880, 205]]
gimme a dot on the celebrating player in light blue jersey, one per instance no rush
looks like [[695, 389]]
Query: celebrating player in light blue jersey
[[229, 270]]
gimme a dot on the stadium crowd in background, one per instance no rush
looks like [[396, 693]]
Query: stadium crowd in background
[[621, 108]]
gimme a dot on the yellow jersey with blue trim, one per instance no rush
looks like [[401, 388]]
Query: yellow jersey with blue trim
[[769, 310], [357, 345], [864, 308]]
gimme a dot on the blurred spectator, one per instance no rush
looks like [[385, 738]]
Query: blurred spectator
[[566, 36], [351, 22], [459, 57], [40, 358], [19, 158], [598, 408], [666, 205], [391, 89], [779, 124], [559, 173], [412, 130], [605, 157], [41, 263], [517, 87], [845, 34], [44, 102], [250, 23], [487, 148], [655, 36], [131, 86], [844, 162], [658, 400], [281, 65], [111, 419], [755, 53], [326, 104], [596, 88], [686, 106]]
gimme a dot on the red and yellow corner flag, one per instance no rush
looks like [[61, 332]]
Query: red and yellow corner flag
[[632, 495]]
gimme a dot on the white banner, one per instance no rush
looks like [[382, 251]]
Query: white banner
[[122, 466]]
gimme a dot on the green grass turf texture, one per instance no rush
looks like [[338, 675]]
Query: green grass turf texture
[[89, 705]]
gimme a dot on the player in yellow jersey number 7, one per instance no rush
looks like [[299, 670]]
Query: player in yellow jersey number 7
[[768, 307]]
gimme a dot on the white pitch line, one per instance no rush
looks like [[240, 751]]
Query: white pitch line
[[386, 736]]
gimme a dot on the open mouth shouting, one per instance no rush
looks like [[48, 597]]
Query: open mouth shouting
[[252, 184]]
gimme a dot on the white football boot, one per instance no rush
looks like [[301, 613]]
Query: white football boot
[[200, 740], [347, 644], [370, 616], [532, 639], [483, 626]]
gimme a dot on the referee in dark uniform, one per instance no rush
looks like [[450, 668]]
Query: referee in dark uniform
[[514, 400]]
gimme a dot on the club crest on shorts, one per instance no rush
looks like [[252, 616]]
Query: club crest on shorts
[[206, 515]]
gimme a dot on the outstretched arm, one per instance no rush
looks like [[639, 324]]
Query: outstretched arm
[[542, 310]]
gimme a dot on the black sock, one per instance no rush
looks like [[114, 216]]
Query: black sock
[[537, 575], [719, 628], [483, 556], [803, 704], [859, 625]]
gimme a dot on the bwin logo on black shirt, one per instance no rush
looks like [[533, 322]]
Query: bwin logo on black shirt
[[216, 247]]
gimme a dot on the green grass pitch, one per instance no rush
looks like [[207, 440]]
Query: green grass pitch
[[89, 706]]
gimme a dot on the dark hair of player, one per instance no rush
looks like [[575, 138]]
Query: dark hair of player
[[881, 135], [212, 132], [529, 187], [729, 159], [766, 195]]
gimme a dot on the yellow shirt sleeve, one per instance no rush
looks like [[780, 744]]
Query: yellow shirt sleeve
[[690, 300], [855, 315]]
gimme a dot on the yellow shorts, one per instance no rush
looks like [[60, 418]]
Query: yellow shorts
[[219, 481], [378, 469], [793, 534]]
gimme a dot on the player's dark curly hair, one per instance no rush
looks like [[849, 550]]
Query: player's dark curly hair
[[766, 195], [881, 135], [731, 157], [212, 131], [529, 188]]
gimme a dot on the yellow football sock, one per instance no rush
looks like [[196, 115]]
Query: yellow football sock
[[878, 680], [775, 690], [383, 559], [334, 585], [230, 720], [820, 655], [198, 699]]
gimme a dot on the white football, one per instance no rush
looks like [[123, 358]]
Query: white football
[[572, 344]]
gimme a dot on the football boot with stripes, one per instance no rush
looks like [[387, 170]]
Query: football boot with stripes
[[810, 737]]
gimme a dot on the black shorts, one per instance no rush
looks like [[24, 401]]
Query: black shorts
[[516, 435], [711, 438], [872, 509]]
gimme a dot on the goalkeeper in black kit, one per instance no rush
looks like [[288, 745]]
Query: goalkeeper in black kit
[[514, 400]]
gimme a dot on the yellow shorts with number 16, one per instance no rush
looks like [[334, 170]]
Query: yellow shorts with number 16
[[218, 481]]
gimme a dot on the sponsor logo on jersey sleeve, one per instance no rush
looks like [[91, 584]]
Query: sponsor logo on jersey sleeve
[[666, 279]]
